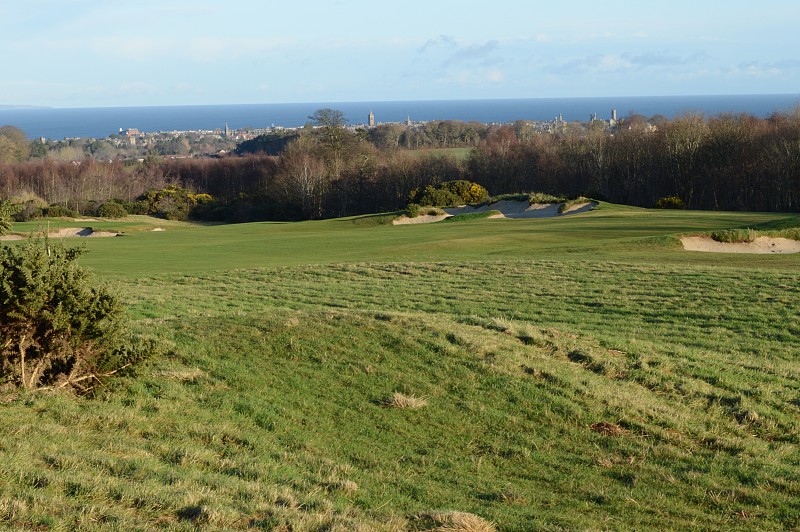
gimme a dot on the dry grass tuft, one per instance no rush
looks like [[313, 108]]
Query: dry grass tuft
[[401, 400], [190, 375], [452, 522]]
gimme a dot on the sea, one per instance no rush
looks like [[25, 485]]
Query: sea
[[100, 122]]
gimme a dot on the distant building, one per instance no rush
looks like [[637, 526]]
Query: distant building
[[131, 134], [371, 119], [408, 120], [227, 130]]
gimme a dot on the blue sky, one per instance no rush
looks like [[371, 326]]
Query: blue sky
[[80, 53]]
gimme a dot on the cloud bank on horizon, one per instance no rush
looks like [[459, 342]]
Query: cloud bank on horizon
[[81, 53]]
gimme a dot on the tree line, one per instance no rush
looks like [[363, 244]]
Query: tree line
[[724, 162]]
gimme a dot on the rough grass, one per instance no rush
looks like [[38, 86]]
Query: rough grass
[[451, 522], [539, 197], [402, 400], [574, 381], [571, 202], [732, 236]]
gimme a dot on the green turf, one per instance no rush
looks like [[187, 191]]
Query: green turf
[[581, 372], [610, 232]]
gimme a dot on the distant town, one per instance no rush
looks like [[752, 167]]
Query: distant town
[[134, 145]]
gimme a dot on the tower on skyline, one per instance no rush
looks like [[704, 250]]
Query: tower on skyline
[[371, 119]]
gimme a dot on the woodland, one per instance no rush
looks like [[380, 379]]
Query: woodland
[[722, 162]]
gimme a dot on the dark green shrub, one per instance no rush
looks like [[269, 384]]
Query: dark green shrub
[[60, 211], [438, 197], [136, 207], [111, 209], [59, 327], [412, 210], [670, 202], [28, 211]]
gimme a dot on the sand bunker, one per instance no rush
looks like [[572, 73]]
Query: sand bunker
[[422, 219], [85, 232], [507, 208], [762, 244], [68, 232]]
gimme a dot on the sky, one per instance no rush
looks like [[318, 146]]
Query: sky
[[81, 53]]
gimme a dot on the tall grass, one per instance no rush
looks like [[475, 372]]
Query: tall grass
[[733, 236]]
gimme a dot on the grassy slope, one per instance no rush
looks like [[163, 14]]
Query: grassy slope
[[580, 373]]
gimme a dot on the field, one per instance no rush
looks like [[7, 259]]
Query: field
[[582, 372]]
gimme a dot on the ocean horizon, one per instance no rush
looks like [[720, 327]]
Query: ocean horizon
[[100, 122]]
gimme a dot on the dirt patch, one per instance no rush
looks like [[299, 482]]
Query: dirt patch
[[760, 245], [607, 429]]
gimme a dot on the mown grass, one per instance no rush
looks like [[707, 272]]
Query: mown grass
[[577, 373]]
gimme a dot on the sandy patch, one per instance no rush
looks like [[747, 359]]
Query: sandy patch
[[68, 232], [521, 209], [762, 244], [424, 219], [158, 229], [579, 208], [507, 208]]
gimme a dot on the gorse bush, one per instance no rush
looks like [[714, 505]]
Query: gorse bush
[[670, 202], [7, 211], [174, 202], [449, 194], [58, 326]]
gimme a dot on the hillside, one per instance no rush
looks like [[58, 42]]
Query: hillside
[[579, 372]]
